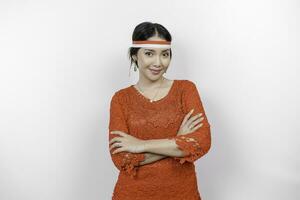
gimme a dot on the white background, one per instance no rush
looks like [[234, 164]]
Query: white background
[[61, 61]]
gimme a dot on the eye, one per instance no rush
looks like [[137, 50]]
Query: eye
[[166, 54], [147, 53]]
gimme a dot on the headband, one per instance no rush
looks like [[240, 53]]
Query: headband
[[151, 43]]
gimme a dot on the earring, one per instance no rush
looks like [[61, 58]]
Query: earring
[[135, 66]]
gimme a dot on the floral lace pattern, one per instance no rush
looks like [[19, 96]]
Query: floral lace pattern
[[130, 162], [191, 147], [136, 115]]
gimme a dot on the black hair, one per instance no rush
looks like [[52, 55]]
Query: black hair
[[145, 30]]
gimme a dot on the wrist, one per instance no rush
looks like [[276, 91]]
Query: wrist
[[146, 144]]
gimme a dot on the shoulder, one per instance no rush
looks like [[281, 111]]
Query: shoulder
[[185, 81], [121, 95], [187, 84]]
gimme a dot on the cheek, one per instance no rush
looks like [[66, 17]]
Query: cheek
[[166, 61], [144, 62]]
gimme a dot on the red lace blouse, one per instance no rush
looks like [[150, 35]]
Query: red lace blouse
[[171, 178]]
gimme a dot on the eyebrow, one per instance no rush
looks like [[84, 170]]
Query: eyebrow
[[153, 50]]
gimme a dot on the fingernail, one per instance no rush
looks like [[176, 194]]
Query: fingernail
[[192, 110]]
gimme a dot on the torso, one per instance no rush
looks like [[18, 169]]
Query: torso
[[158, 120]]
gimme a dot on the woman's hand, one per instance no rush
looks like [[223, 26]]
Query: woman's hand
[[127, 143], [188, 124]]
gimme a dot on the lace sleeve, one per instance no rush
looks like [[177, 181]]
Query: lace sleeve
[[124, 161], [197, 143]]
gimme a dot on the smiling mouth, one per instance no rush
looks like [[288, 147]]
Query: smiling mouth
[[155, 72]]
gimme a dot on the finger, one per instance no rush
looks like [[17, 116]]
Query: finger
[[110, 148], [116, 139], [198, 126], [112, 140], [187, 116], [202, 118], [197, 121], [123, 134], [191, 121], [191, 125], [118, 150], [113, 132], [196, 116], [117, 132], [116, 144]]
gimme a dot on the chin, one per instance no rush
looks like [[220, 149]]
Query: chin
[[154, 78]]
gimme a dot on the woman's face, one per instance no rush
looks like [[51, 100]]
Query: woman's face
[[153, 62]]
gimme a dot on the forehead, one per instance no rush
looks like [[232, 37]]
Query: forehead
[[156, 49]]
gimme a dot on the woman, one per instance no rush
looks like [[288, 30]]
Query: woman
[[158, 127]]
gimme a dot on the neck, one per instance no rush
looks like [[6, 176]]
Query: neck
[[149, 84]]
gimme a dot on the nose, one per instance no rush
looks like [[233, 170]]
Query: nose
[[157, 61]]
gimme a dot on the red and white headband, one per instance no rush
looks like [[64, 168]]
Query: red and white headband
[[151, 43]]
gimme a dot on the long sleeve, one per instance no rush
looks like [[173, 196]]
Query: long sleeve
[[197, 143], [125, 161]]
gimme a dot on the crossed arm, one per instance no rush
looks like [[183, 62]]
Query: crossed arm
[[161, 148], [189, 147], [152, 157], [145, 151]]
